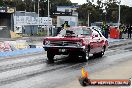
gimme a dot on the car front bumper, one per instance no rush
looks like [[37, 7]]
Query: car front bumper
[[63, 49]]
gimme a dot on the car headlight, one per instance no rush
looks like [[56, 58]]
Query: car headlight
[[47, 42], [79, 43]]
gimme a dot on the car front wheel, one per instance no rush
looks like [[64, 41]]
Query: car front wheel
[[85, 55], [50, 57]]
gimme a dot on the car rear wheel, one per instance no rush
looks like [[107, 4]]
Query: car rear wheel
[[102, 51], [100, 54], [50, 57]]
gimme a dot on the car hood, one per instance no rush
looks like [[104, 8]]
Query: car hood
[[63, 38]]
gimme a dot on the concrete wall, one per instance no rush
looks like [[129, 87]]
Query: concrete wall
[[5, 34], [30, 30]]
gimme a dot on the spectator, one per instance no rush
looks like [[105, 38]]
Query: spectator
[[65, 25], [129, 31], [121, 31], [58, 30], [106, 31], [103, 30], [124, 29]]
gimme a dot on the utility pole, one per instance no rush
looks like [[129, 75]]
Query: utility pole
[[48, 20], [38, 16], [34, 5], [38, 8], [119, 14], [25, 6], [88, 18], [89, 11]]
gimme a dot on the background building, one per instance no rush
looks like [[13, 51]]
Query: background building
[[6, 21], [71, 18], [25, 22], [21, 22]]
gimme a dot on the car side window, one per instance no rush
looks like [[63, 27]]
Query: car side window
[[100, 34], [95, 34], [86, 32]]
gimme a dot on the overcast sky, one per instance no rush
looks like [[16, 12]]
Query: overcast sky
[[124, 2]]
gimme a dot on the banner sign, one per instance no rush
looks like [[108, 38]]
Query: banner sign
[[30, 20]]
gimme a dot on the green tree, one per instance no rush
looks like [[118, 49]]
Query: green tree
[[28, 5], [94, 10], [53, 6], [1, 3], [129, 16]]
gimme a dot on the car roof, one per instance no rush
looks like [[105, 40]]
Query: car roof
[[77, 27]]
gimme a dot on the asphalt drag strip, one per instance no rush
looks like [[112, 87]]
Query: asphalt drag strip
[[23, 71], [65, 72]]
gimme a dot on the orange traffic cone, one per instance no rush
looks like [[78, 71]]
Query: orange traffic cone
[[84, 81], [84, 74]]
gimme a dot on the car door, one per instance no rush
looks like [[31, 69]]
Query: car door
[[101, 41], [97, 42], [89, 39], [94, 42]]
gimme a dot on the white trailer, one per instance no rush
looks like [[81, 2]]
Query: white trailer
[[72, 20]]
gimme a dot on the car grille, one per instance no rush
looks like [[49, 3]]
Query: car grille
[[63, 43]]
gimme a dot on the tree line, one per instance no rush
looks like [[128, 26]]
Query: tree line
[[102, 11], [105, 12]]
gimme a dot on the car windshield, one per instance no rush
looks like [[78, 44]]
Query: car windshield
[[75, 31]]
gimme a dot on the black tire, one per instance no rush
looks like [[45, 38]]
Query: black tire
[[85, 56], [100, 54], [50, 57], [96, 55], [73, 55]]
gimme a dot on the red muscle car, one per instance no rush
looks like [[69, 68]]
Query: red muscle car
[[76, 41]]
